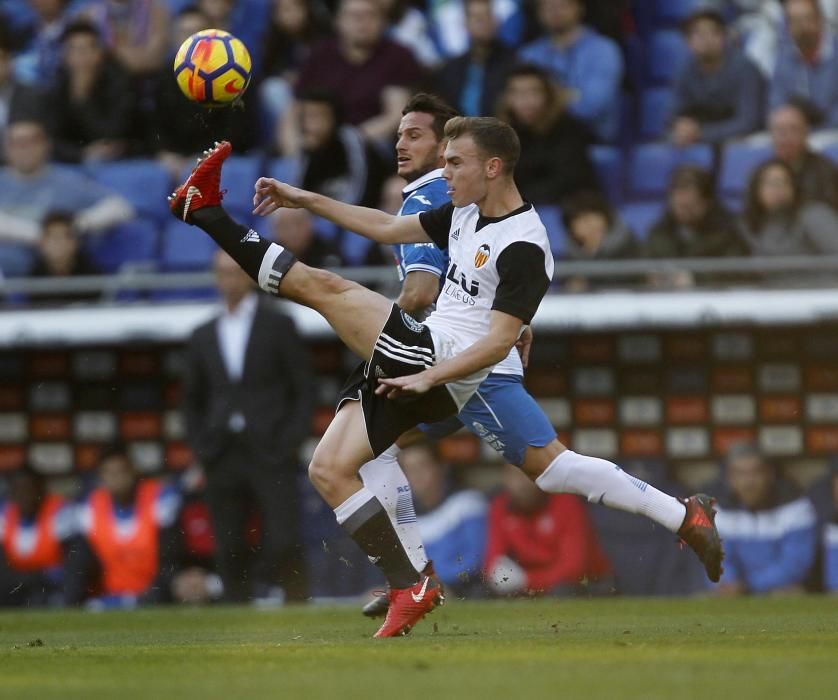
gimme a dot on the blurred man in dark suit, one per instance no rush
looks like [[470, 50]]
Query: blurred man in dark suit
[[248, 402]]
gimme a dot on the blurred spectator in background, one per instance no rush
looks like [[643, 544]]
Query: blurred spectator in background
[[473, 81], [769, 531], [589, 65], [777, 219], [408, 26], [133, 539], [371, 74], [540, 542], [247, 405], [719, 93], [37, 528], [37, 63], [336, 160], [135, 31], [60, 255], [830, 538], [554, 161], [177, 129], [295, 230], [16, 99], [30, 188], [595, 232], [815, 175], [807, 63], [295, 26], [93, 104], [452, 521], [695, 223]]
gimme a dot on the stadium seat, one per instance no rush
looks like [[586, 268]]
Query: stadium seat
[[285, 169], [738, 162], [651, 165], [639, 217], [186, 248], [671, 12], [142, 182], [831, 152], [15, 260], [655, 106], [132, 242], [667, 52], [608, 163], [552, 218], [354, 248]]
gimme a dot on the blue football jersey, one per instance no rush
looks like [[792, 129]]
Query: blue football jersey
[[428, 192]]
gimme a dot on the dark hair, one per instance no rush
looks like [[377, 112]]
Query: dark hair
[[496, 139], [695, 177], [80, 27], [6, 43], [701, 15], [27, 471], [58, 216], [554, 101], [755, 213], [586, 202], [438, 108], [322, 96], [115, 450]]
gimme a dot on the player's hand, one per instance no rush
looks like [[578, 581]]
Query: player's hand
[[272, 195], [523, 345], [411, 384]]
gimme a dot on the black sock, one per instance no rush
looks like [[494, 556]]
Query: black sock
[[371, 528]]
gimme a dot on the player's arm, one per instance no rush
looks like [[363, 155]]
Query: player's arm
[[419, 291], [272, 195]]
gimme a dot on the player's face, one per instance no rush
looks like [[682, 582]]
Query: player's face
[[465, 171], [418, 151]]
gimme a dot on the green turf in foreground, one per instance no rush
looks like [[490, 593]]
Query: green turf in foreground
[[615, 649]]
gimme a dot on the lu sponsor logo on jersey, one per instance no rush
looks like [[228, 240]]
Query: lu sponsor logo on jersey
[[481, 257]]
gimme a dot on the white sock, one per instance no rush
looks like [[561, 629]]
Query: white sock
[[384, 477], [353, 504], [601, 481]]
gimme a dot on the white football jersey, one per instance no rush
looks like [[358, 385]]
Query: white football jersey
[[502, 264]]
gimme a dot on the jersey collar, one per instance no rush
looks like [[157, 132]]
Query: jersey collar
[[424, 180]]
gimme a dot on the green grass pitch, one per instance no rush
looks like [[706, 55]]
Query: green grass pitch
[[772, 648]]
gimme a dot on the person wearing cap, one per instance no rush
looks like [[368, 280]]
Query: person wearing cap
[[719, 93]]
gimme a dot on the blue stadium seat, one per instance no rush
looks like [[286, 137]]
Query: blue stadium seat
[[354, 248], [671, 12], [285, 169], [655, 107], [608, 162], [738, 162], [651, 165], [640, 216], [15, 260], [551, 216], [667, 53], [831, 152], [186, 248], [142, 182], [132, 242]]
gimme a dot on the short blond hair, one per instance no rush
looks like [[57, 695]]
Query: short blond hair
[[494, 138]]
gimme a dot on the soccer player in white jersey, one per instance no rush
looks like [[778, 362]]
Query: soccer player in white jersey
[[500, 268]]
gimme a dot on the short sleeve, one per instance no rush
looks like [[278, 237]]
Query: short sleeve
[[423, 257], [437, 224], [523, 280]]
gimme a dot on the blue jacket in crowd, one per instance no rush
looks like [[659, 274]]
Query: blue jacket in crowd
[[830, 557]]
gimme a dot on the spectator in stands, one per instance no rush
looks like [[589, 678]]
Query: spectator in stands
[[295, 230], [37, 529], [830, 539], [30, 188], [595, 232], [92, 106], [178, 129], [336, 159], [719, 93], [295, 26], [474, 80], [247, 403], [695, 223], [379, 71], [769, 531], [16, 99], [779, 222], [37, 64], [587, 63], [554, 161], [541, 543], [132, 536], [807, 63], [408, 26], [452, 520], [816, 176]]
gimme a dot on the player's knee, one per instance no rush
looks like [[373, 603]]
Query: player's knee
[[319, 474]]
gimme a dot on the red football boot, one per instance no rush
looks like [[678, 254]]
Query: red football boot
[[699, 532], [409, 605], [377, 607], [203, 186]]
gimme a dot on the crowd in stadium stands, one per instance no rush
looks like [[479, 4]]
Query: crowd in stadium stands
[[613, 99], [649, 129]]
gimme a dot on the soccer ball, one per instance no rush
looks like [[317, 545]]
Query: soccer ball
[[212, 68]]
